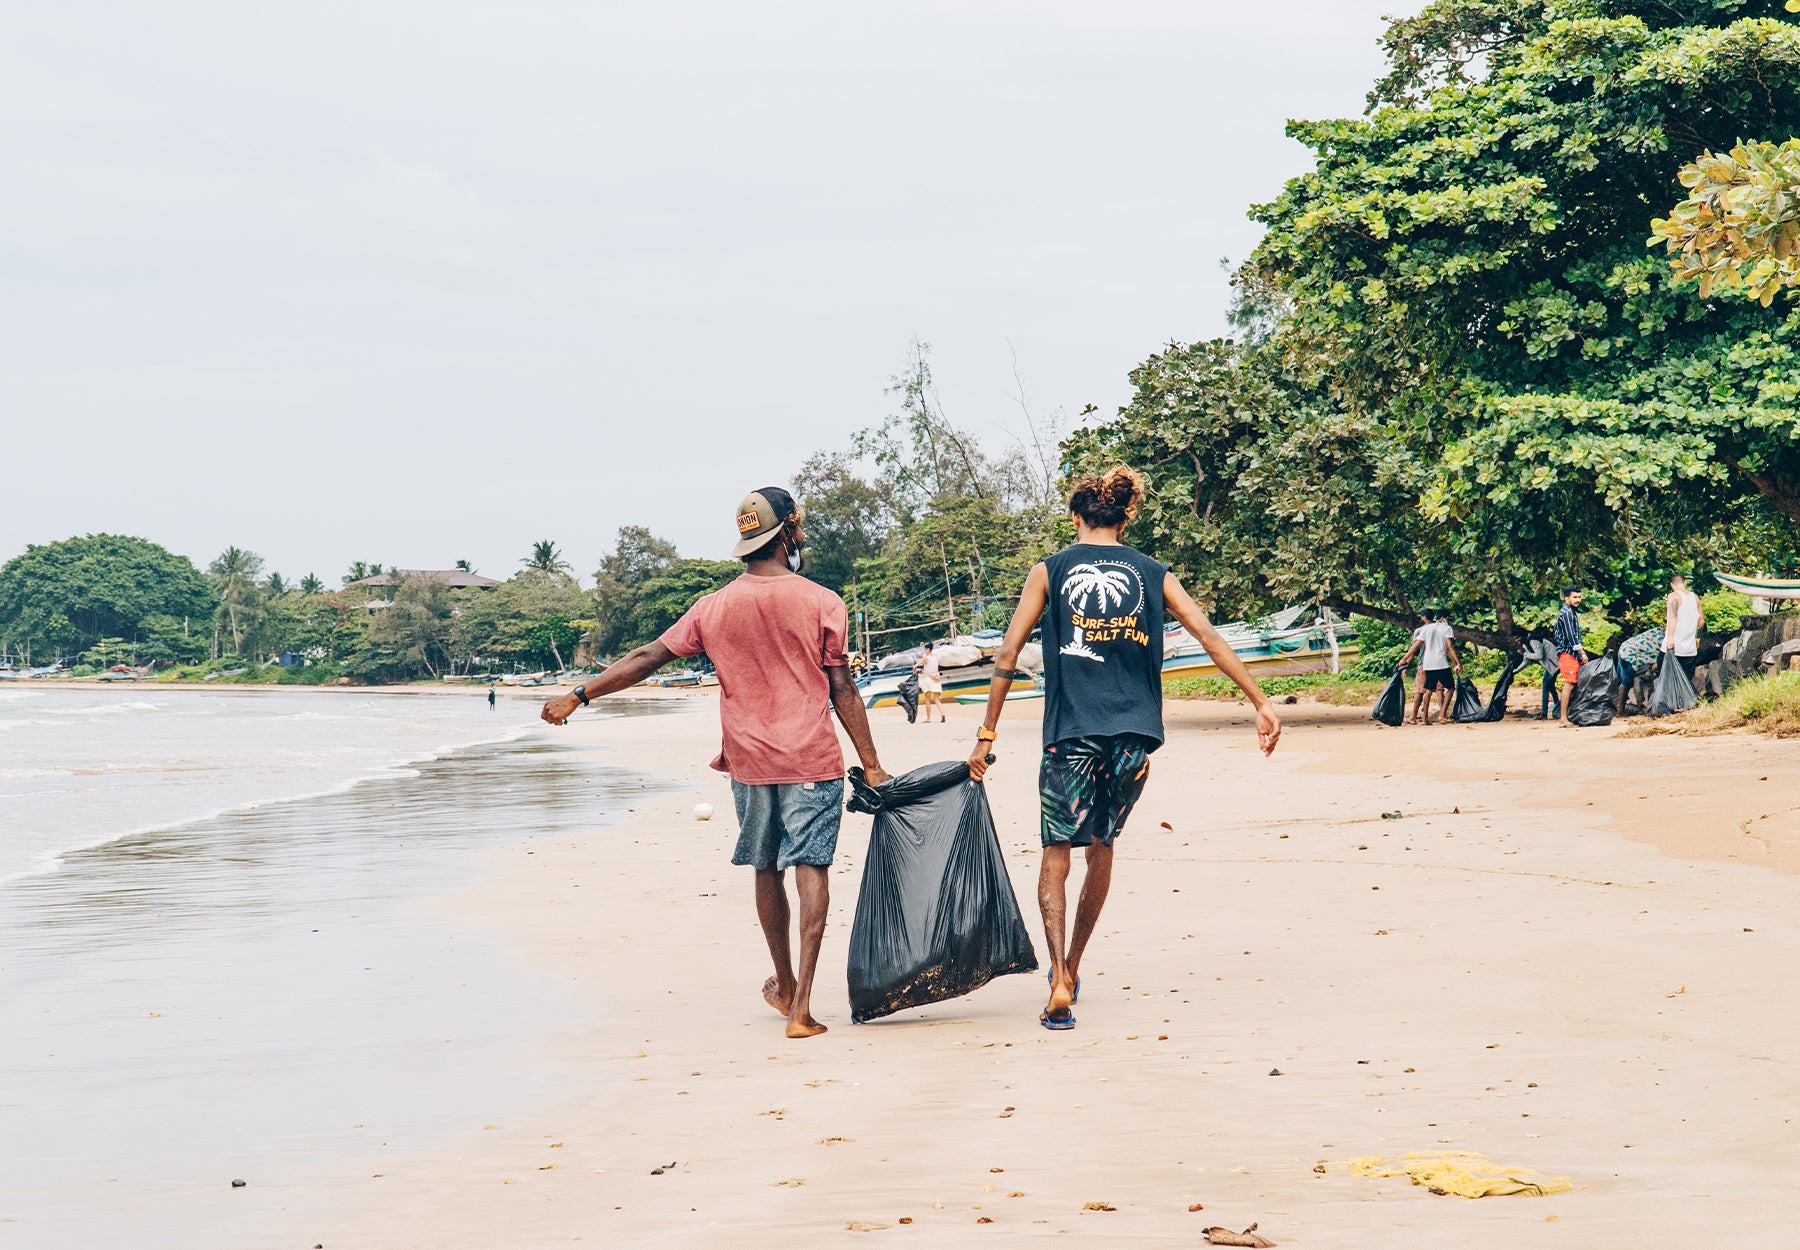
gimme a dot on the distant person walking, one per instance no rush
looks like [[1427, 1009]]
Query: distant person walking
[[779, 644], [1439, 665], [1683, 621], [1101, 604], [1570, 653], [1637, 656], [931, 682], [490, 698]]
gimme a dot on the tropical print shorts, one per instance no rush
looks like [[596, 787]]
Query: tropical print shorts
[[1088, 786]]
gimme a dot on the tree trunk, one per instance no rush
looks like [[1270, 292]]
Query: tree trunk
[[1503, 614], [1781, 491], [1480, 637]]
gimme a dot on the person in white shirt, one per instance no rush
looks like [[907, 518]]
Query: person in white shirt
[[1437, 662], [1683, 621], [931, 683]]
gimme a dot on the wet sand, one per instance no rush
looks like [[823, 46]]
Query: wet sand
[[1532, 962]]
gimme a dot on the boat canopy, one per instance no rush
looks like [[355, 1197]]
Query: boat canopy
[[1761, 587]]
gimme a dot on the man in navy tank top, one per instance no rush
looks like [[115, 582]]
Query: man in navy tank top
[[1101, 605]]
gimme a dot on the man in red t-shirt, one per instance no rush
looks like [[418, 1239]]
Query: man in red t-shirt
[[779, 645]]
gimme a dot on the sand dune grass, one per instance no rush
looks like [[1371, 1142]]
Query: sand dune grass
[[1768, 704]]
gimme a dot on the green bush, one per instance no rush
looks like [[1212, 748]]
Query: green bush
[[1379, 648], [318, 673], [1725, 610]]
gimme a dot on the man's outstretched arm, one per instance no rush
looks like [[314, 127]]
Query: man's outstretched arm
[[1030, 611], [626, 673], [846, 700], [1183, 608]]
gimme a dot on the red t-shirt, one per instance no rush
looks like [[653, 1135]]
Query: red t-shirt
[[771, 640]]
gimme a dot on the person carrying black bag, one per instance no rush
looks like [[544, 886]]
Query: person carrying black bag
[[1101, 604]]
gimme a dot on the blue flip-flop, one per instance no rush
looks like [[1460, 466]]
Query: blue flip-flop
[[1067, 1023], [1073, 998]]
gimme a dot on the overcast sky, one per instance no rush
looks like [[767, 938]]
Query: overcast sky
[[408, 282]]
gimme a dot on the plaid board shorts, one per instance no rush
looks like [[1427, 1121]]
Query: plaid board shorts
[[780, 826], [1088, 786]]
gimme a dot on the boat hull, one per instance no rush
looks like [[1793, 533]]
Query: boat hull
[[1263, 664], [883, 690]]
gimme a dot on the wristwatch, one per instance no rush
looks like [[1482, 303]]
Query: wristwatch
[[984, 734], [581, 693]]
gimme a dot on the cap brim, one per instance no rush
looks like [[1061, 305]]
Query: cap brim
[[747, 545]]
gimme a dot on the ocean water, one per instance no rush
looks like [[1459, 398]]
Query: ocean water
[[225, 954], [79, 768]]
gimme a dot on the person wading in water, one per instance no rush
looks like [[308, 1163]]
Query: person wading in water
[[780, 645], [1101, 604]]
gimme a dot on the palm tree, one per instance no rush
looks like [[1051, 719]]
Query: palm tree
[[310, 585], [545, 558], [234, 576], [276, 585], [1107, 585], [465, 566]]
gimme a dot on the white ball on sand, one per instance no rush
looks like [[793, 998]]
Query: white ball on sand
[[703, 811]]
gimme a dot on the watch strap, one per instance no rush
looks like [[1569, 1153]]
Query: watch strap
[[582, 694]]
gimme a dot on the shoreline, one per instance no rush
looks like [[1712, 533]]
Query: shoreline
[[275, 995], [1493, 971]]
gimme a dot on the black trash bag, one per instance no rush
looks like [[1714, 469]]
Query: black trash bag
[[1596, 692], [1496, 703], [1390, 708], [936, 917], [1467, 708], [909, 698], [1674, 692]]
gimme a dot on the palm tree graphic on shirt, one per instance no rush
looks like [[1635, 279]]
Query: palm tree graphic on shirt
[[1103, 588]]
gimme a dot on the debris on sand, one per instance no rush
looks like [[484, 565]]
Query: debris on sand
[[1249, 1237], [1462, 1173]]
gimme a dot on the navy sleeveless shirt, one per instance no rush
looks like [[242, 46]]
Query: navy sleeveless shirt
[[1103, 644]]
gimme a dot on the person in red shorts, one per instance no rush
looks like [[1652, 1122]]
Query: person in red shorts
[[1570, 654], [779, 644]]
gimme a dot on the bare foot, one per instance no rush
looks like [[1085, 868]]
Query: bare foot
[[808, 1027], [773, 995], [1062, 997]]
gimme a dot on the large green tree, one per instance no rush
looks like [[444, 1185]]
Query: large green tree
[[1467, 319], [234, 573], [849, 518], [60, 598], [637, 556]]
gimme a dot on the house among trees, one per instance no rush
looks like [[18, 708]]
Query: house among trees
[[455, 579]]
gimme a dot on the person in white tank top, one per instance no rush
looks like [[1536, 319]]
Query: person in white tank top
[[1682, 623]]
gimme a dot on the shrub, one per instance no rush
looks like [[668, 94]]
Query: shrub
[[1767, 703]]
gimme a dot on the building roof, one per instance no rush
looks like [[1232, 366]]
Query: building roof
[[456, 579]]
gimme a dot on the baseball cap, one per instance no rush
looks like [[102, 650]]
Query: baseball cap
[[759, 522]]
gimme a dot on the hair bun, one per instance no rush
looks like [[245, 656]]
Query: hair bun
[[1120, 486]]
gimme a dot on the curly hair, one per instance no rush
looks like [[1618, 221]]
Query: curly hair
[[1106, 500]]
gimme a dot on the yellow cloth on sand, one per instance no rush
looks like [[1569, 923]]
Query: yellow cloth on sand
[[1461, 1172]]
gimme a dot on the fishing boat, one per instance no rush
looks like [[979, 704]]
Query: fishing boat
[[882, 688], [1760, 587], [677, 679], [529, 679], [1276, 646]]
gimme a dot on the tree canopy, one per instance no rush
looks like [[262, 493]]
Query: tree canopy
[[63, 597], [1470, 379]]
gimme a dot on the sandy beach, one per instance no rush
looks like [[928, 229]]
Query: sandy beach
[[1569, 954]]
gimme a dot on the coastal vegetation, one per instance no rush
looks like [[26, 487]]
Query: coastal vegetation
[[1461, 375]]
